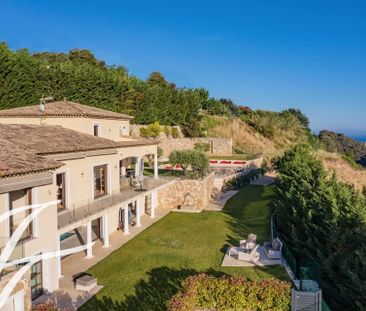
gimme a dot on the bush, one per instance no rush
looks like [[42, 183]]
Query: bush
[[231, 293], [167, 131], [175, 132], [196, 160], [245, 179], [160, 152], [153, 130], [203, 147]]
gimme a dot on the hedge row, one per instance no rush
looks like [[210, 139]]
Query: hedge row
[[231, 293]]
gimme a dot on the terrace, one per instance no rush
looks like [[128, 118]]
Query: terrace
[[81, 212]]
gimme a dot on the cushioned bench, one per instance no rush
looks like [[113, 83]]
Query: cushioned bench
[[85, 283]]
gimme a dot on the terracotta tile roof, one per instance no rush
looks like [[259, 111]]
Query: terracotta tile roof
[[16, 161], [23, 147], [51, 139], [63, 109]]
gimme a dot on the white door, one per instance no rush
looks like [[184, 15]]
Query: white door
[[14, 302]]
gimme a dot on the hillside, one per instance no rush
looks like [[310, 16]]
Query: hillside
[[335, 142], [248, 139], [345, 171]]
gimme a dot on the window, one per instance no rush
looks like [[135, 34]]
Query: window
[[100, 181], [36, 280], [96, 130], [17, 199], [61, 191]]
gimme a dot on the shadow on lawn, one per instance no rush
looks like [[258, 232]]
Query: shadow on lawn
[[153, 294], [243, 221]]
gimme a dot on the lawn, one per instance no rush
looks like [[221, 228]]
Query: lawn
[[144, 273]]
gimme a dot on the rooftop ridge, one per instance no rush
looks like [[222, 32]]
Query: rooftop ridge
[[63, 109]]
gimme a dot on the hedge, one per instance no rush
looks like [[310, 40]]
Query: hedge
[[231, 293]]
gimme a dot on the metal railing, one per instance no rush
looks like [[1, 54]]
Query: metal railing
[[86, 208]]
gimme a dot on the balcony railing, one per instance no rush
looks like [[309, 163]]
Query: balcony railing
[[83, 209]]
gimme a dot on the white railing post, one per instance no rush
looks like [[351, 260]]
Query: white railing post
[[125, 220], [89, 249], [105, 231], [154, 203], [156, 169], [138, 212]]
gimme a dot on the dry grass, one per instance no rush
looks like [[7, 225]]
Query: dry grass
[[249, 139], [334, 162]]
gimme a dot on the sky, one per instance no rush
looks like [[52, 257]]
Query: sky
[[266, 54]]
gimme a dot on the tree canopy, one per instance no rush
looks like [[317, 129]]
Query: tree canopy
[[79, 76], [324, 223]]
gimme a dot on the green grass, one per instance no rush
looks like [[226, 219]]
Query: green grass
[[144, 273]]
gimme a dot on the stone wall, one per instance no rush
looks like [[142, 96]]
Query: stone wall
[[219, 146], [173, 195], [221, 179]]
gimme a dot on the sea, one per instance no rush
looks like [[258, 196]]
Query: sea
[[360, 138]]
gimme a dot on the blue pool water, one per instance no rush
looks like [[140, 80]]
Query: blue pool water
[[66, 235]]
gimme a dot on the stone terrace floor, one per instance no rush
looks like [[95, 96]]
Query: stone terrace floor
[[68, 297]]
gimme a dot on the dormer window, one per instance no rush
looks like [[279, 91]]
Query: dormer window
[[96, 129]]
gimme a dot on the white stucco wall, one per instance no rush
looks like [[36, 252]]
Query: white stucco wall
[[109, 129]]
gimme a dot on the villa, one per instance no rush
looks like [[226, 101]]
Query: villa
[[80, 161]]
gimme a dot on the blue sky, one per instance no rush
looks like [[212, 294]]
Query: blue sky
[[262, 53]]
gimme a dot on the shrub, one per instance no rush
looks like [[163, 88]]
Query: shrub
[[231, 293], [175, 132], [160, 152], [203, 147], [167, 131], [153, 130], [196, 160], [242, 180]]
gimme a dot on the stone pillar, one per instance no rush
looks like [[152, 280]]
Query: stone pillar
[[137, 167], [125, 220], [138, 212], [154, 203], [105, 230], [156, 169], [89, 238]]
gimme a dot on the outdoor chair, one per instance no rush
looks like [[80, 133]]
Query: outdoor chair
[[234, 251], [273, 249], [250, 242], [252, 256]]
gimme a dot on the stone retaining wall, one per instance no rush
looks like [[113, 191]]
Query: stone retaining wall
[[221, 180], [218, 146], [173, 195]]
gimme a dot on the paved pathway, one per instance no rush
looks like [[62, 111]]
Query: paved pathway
[[68, 297], [233, 261]]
